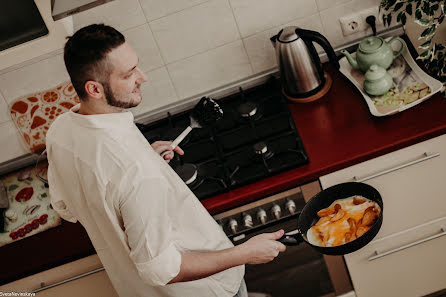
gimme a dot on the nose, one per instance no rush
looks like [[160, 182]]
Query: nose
[[142, 76]]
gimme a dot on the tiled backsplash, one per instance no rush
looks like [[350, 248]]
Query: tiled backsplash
[[186, 47]]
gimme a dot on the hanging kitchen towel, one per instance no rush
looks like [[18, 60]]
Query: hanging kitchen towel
[[29, 211], [34, 113]]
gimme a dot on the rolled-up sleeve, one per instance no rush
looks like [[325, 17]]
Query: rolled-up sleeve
[[148, 228]]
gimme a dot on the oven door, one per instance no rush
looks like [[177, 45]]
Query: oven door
[[299, 271]]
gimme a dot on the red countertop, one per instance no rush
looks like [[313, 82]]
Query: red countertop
[[337, 131]]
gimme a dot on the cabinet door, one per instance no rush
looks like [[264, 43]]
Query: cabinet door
[[412, 183], [93, 285], [414, 266]]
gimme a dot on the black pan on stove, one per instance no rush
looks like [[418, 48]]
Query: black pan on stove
[[308, 217]]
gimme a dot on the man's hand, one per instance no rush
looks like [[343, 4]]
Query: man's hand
[[263, 248], [257, 250], [161, 146]]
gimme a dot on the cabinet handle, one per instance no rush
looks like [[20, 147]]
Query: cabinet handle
[[425, 157], [43, 287], [378, 255]]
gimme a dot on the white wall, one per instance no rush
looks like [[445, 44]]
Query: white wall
[[186, 47]]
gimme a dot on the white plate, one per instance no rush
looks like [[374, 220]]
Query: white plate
[[396, 70]]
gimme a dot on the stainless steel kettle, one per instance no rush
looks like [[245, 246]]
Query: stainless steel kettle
[[301, 71]]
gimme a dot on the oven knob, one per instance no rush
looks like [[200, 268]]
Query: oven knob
[[220, 223], [261, 215], [291, 206], [247, 220], [276, 211], [233, 225]]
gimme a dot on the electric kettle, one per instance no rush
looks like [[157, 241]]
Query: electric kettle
[[301, 73]]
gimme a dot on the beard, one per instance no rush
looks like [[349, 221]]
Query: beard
[[113, 101]]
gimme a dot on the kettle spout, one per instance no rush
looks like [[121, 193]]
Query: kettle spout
[[350, 59], [273, 40]]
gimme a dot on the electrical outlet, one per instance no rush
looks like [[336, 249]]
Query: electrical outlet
[[355, 22], [352, 24]]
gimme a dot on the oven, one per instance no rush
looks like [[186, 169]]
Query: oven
[[256, 139]]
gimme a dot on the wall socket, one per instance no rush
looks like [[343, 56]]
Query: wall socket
[[355, 22]]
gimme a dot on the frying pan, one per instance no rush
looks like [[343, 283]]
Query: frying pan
[[308, 217]]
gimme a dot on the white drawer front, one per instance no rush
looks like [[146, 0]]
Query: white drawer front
[[416, 270], [412, 194]]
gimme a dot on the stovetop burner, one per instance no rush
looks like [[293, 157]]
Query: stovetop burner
[[261, 149], [256, 138], [187, 172], [247, 109]]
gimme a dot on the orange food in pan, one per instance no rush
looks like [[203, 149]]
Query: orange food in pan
[[343, 221]]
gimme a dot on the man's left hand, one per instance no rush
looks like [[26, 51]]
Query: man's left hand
[[161, 146]]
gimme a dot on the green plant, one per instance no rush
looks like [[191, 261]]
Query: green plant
[[429, 14]]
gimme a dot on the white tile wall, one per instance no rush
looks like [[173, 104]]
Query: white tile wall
[[260, 49], [121, 14], [40, 76], [155, 9], [141, 40], [195, 30], [11, 144], [211, 69], [324, 4], [186, 47], [4, 111], [255, 16], [156, 92]]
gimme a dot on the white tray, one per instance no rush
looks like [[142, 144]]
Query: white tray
[[405, 72]]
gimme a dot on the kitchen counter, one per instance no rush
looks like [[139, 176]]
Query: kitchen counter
[[337, 131]]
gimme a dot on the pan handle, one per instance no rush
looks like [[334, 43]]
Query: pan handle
[[291, 239], [377, 255], [425, 157]]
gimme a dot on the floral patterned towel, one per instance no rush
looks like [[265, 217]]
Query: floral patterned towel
[[30, 210]]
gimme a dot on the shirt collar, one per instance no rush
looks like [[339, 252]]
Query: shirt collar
[[104, 120]]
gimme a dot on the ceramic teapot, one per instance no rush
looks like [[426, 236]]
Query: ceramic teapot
[[377, 81], [374, 50]]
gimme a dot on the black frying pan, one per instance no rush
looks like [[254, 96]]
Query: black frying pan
[[308, 217]]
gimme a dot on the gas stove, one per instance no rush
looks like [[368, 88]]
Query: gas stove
[[255, 139]]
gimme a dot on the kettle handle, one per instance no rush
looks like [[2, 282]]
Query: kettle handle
[[308, 35]]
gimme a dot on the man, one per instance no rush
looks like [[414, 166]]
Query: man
[[151, 233]]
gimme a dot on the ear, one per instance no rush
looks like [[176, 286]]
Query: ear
[[94, 89]]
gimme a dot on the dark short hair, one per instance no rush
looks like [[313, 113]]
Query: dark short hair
[[85, 55]]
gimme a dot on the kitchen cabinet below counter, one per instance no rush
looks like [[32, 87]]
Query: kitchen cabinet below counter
[[90, 285], [407, 256]]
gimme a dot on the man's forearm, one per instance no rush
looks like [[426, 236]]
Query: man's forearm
[[197, 265]]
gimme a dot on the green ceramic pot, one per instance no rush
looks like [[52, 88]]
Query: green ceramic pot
[[374, 50], [377, 81]]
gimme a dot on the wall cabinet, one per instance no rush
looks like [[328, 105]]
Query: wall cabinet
[[407, 257]]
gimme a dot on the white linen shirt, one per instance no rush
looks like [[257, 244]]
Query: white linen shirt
[[138, 213]]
